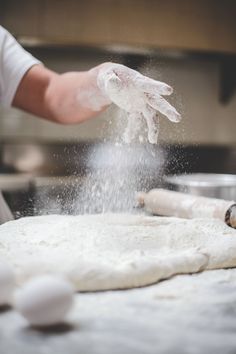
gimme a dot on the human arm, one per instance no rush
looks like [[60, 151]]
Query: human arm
[[77, 96], [62, 98]]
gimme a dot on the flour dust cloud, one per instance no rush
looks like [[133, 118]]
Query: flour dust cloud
[[116, 169]]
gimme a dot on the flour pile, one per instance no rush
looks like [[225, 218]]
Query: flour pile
[[115, 251]]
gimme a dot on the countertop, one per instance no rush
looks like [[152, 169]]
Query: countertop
[[186, 314]]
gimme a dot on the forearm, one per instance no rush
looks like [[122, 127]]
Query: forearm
[[31, 92], [70, 96], [57, 97]]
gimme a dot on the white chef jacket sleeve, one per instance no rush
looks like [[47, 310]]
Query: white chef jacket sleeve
[[14, 63]]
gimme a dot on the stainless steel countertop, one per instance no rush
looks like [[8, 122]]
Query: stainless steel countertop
[[186, 314]]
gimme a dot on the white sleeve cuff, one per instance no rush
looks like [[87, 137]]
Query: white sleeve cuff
[[12, 87]]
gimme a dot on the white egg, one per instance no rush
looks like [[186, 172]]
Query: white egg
[[45, 300], [7, 283]]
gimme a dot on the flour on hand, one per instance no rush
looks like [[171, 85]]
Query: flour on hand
[[139, 96]]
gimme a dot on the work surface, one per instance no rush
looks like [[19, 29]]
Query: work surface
[[186, 314]]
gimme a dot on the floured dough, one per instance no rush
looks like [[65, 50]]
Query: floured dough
[[115, 251]]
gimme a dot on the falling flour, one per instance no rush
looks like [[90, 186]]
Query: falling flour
[[115, 173]]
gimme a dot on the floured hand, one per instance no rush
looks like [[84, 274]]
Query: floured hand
[[138, 95], [74, 97]]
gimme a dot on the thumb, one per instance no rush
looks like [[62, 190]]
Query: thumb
[[113, 83]]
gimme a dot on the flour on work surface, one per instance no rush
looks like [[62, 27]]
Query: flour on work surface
[[115, 251]]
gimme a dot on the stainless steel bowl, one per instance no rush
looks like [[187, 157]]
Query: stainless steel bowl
[[222, 186]]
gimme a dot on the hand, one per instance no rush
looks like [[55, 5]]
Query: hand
[[74, 97], [138, 95]]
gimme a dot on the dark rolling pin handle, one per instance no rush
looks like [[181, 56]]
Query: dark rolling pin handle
[[230, 216]]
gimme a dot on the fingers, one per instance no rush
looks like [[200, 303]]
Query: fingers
[[114, 89], [133, 126], [113, 82], [131, 91], [141, 82], [152, 121], [160, 104], [107, 79], [148, 85]]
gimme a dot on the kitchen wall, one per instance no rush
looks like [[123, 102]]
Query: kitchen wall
[[181, 24], [195, 79]]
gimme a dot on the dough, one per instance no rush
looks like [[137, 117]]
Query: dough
[[115, 251]]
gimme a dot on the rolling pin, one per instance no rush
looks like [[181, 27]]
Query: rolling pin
[[5, 212], [169, 203]]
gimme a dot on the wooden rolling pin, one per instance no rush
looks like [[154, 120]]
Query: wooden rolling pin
[[5, 212], [168, 203]]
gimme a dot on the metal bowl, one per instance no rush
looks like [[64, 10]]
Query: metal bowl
[[222, 186]]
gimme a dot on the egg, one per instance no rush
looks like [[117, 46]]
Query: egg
[[45, 300], [7, 283]]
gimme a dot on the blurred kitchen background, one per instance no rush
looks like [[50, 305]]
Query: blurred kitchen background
[[189, 44]]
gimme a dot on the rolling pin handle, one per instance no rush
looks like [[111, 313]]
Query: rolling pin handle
[[230, 216], [140, 197]]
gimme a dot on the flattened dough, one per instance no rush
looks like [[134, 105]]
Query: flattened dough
[[115, 251]]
